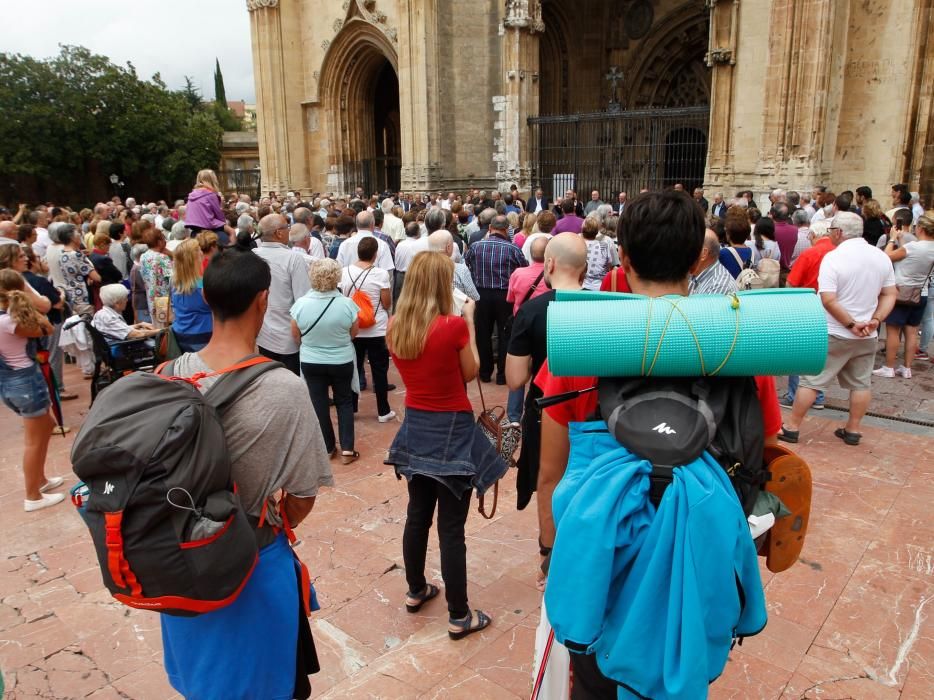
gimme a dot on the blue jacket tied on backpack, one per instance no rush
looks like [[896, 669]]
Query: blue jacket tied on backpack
[[658, 597]]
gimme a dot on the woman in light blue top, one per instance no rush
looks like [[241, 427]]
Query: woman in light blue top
[[324, 322]]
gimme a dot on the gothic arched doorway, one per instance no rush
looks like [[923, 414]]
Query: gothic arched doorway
[[359, 89]]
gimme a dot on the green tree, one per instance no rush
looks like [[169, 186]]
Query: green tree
[[192, 94], [78, 113], [225, 117], [220, 93]]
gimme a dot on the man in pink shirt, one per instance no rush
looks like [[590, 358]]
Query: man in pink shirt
[[526, 283], [569, 222], [786, 234]]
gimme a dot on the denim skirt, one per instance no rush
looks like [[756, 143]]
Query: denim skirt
[[446, 444], [24, 391]]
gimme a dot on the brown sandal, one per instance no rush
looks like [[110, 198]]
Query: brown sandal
[[348, 457]]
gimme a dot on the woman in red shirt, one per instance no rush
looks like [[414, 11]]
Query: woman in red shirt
[[439, 449]]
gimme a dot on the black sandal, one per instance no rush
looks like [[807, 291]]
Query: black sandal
[[847, 437], [788, 435], [465, 625], [431, 591], [348, 458]]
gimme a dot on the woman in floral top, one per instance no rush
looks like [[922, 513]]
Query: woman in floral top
[[155, 267], [77, 271]]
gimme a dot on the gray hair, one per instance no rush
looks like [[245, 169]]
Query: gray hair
[[435, 220], [603, 212], [65, 233], [486, 216], [136, 252], [800, 218], [244, 222], [113, 294], [241, 207], [179, 231], [712, 243], [53, 229], [387, 205], [849, 223], [365, 221], [820, 229], [302, 215], [324, 275], [298, 233]]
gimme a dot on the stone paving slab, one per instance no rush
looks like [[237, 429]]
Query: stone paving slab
[[851, 620]]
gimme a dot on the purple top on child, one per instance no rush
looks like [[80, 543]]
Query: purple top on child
[[204, 210]]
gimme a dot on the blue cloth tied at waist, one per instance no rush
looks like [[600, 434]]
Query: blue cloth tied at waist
[[448, 447]]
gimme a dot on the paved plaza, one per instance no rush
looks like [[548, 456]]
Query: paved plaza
[[853, 619]]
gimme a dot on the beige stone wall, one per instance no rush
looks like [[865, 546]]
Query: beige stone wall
[[792, 106]]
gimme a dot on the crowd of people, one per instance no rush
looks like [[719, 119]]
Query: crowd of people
[[447, 289]]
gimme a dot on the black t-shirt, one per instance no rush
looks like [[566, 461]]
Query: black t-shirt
[[530, 330]]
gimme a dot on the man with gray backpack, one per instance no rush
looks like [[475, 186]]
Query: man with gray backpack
[[194, 477]]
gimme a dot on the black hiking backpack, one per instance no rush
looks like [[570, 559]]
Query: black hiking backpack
[[671, 421], [158, 498]]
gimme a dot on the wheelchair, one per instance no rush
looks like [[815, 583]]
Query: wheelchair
[[116, 358]]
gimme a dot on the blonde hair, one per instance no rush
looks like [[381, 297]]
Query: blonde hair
[[103, 226], [186, 266], [208, 180], [425, 296], [101, 239], [872, 210], [16, 303], [207, 240], [528, 223], [324, 275]]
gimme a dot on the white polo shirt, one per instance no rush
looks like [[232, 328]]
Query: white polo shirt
[[856, 272], [347, 253]]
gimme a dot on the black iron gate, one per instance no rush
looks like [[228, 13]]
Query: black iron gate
[[242, 181], [374, 175], [623, 151]]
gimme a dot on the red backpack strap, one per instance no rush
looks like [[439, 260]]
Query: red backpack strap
[[305, 575]]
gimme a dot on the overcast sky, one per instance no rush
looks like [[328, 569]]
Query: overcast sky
[[172, 37]]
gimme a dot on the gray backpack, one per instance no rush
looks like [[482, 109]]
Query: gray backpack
[[157, 493]]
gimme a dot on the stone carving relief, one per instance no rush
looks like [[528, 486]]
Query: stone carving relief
[[524, 14], [253, 5], [367, 11]]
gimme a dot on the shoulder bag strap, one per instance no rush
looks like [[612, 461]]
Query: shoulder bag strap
[[736, 255], [613, 284], [528, 294], [320, 316], [480, 387]]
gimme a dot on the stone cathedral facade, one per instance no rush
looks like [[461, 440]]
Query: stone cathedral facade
[[617, 94]]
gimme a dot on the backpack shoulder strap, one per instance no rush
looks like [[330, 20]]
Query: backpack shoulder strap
[[236, 378], [739, 259]]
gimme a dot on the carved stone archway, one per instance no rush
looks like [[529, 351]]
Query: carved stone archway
[[671, 71], [355, 59]]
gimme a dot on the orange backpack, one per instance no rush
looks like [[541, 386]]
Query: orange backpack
[[366, 317]]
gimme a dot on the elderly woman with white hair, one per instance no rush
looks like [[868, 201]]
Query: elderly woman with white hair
[[109, 320], [178, 232], [324, 322]]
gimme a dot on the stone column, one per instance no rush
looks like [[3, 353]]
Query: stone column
[[269, 75], [512, 141], [419, 105], [721, 58]]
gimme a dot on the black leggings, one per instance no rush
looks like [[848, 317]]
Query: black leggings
[[424, 492]]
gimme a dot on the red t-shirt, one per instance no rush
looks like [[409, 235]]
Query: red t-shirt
[[622, 284], [433, 380], [583, 407]]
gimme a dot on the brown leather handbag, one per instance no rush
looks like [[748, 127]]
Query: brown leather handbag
[[503, 435]]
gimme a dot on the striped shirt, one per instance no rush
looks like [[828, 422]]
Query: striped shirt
[[716, 279], [492, 261], [464, 282]]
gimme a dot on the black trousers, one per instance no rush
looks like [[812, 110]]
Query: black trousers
[[493, 312], [378, 353], [424, 493], [291, 360], [319, 379], [589, 683]]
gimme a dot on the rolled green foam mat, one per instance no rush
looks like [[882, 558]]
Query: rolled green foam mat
[[759, 332]]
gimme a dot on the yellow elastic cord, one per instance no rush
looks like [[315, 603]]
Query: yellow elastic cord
[[734, 303]]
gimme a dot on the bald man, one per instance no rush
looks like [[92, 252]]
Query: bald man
[[708, 275], [8, 232], [564, 266], [443, 242]]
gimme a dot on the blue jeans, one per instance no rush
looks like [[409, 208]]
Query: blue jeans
[[24, 391], [793, 389], [515, 404], [927, 325]]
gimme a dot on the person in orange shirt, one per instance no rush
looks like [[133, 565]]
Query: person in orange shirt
[[804, 274]]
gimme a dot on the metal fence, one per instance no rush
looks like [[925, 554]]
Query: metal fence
[[619, 151], [241, 181], [373, 174]]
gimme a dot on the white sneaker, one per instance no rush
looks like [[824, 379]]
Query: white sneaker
[[884, 371], [47, 500], [52, 484], [388, 417], [902, 371]]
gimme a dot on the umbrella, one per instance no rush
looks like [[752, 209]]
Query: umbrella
[[42, 357]]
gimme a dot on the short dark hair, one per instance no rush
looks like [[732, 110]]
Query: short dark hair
[[344, 225], [662, 234], [794, 198], [378, 217], [780, 212], [904, 197], [903, 217], [567, 205], [843, 202], [366, 249], [116, 230], [864, 192], [899, 187], [232, 280], [412, 229], [508, 199]]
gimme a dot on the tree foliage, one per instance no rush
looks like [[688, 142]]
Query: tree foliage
[[58, 116], [225, 116]]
